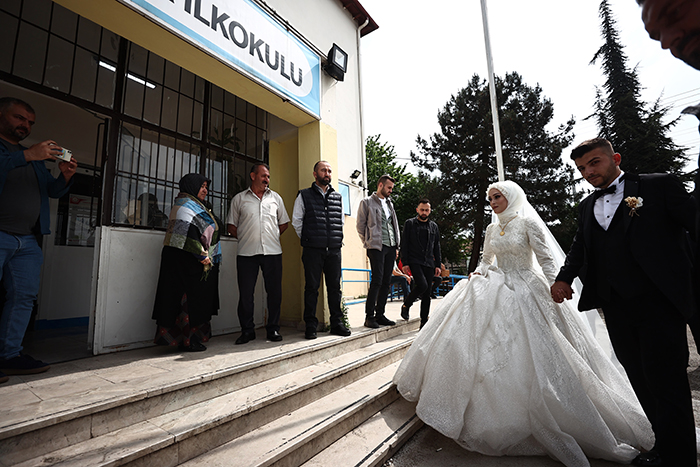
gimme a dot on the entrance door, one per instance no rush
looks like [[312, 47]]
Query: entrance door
[[60, 327]]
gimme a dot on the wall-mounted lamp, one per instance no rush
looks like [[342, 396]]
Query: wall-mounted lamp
[[337, 63], [354, 176]]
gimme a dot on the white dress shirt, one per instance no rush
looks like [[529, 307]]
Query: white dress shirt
[[257, 222], [605, 206], [300, 210]]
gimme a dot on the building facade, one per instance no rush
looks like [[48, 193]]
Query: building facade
[[145, 91]]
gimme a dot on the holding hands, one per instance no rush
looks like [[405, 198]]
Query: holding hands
[[561, 291]]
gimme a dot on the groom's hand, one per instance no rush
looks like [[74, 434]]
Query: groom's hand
[[561, 291]]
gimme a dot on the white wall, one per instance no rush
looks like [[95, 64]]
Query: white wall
[[322, 23], [128, 274]]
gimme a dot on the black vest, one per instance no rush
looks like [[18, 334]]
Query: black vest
[[615, 267], [323, 218]]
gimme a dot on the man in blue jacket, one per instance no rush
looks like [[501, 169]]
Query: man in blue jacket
[[25, 188]]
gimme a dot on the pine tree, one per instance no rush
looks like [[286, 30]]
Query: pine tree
[[635, 129], [463, 154]]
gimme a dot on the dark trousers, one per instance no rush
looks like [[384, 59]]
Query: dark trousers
[[248, 267], [382, 263], [649, 338], [403, 283], [422, 282], [317, 262]]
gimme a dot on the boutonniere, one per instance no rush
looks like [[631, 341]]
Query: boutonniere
[[634, 204]]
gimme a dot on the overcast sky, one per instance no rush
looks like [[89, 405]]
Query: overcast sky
[[425, 51]]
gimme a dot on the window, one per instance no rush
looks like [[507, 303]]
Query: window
[[172, 122]]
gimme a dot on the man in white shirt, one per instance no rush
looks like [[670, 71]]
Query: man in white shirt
[[257, 218]]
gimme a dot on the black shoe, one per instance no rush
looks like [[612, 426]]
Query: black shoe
[[195, 346], [3, 377], [422, 323], [340, 330], [649, 459], [245, 337], [404, 312], [274, 336], [310, 333], [370, 322], [23, 365], [384, 321]]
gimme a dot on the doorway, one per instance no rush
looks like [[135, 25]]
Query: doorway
[[59, 330]]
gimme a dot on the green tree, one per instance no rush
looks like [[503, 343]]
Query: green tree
[[381, 159], [635, 129], [408, 190], [463, 154]]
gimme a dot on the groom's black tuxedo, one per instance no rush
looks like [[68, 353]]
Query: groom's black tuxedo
[[653, 240], [638, 272]]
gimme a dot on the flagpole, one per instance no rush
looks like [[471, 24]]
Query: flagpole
[[492, 92]]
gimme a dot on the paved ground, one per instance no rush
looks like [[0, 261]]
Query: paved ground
[[428, 448]]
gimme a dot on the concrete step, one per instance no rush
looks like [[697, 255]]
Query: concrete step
[[197, 426], [373, 442], [295, 437], [62, 410]]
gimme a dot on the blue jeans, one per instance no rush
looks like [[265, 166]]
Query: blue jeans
[[21, 258]]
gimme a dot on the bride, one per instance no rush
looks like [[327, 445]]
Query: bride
[[503, 370]]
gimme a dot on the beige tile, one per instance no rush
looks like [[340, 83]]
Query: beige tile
[[120, 447], [29, 445]]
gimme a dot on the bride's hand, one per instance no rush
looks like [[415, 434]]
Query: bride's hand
[[561, 291], [474, 273]]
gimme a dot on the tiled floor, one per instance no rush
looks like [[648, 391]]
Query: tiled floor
[[57, 345]]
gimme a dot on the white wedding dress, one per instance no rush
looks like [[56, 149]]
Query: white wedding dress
[[504, 370]]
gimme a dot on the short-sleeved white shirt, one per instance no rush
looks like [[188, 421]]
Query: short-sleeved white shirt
[[257, 222]]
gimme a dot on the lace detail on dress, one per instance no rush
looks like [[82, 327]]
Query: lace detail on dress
[[504, 370]]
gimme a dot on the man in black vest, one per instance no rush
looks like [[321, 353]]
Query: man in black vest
[[318, 221], [631, 254]]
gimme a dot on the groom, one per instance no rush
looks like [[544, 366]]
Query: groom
[[630, 252]]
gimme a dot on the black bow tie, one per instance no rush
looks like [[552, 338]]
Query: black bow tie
[[607, 191]]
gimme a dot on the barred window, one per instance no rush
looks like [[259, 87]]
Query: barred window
[[170, 121]]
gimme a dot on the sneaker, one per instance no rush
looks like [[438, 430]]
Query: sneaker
[[3, 377], [23, 365], [384, 321], [404, 312], [370, 322], [340, 330]]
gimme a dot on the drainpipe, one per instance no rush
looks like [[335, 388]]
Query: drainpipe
[[362, 123]]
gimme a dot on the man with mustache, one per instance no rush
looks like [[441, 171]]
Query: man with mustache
[[257, 218], [318, 220], [25, 188]]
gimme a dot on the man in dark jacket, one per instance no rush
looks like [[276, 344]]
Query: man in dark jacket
[[631, 254], [318, 221], [25, 188], [420, 254]]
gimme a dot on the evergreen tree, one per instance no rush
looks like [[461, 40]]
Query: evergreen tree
[[463, 154], [635, 129]]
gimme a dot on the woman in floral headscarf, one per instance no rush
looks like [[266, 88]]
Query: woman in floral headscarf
[[188, 285]]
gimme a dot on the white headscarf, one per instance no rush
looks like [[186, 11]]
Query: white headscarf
[[519, 205], [514, 194]]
